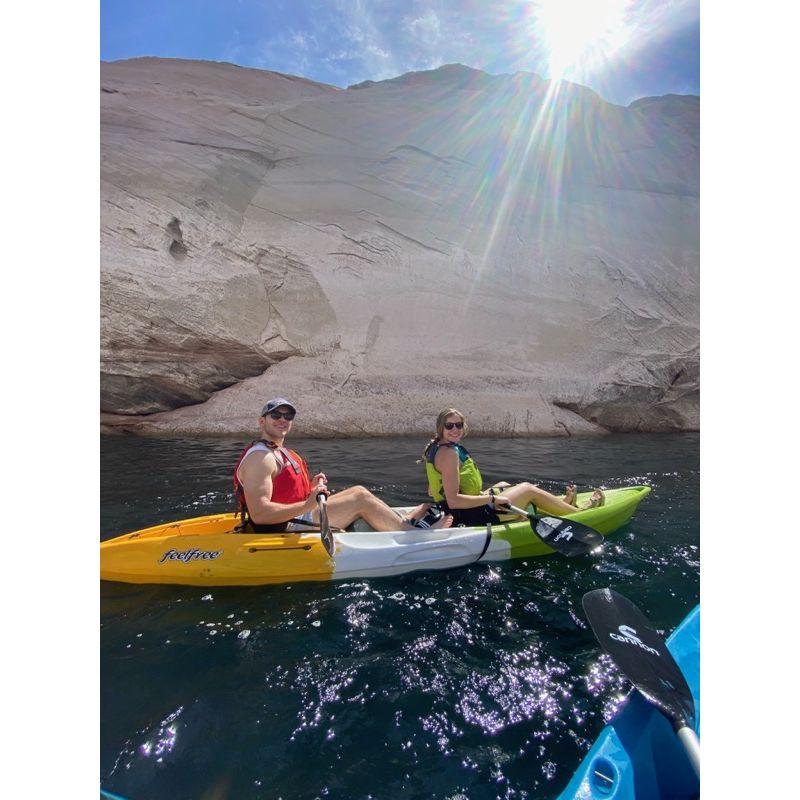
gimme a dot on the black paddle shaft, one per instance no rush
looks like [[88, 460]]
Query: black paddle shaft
[[641, 654], [324, 525]]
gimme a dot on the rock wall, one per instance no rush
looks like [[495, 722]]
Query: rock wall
[[522, 250]]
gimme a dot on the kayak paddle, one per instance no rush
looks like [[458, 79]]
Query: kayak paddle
[[642, 655], [324, 525], [565, 536]]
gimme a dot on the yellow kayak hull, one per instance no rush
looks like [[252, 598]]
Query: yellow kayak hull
[[206, 551]]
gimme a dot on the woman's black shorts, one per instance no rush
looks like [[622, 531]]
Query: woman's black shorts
[[471, 517]]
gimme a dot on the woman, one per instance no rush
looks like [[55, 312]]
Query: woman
[[455, 483]]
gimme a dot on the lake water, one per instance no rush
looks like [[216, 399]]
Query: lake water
[[483, 682]]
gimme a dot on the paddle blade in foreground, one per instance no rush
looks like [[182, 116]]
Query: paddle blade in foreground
[[324, 525], [565, 536], [627, 636]]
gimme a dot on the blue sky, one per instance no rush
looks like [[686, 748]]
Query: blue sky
[[624, 49]]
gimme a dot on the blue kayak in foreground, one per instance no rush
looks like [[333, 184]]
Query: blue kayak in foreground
[[637, 755]]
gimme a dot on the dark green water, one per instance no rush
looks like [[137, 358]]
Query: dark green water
[[483, 682]]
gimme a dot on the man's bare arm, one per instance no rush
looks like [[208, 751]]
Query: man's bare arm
[[256, 473]]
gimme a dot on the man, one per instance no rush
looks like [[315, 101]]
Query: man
[[273, 486]]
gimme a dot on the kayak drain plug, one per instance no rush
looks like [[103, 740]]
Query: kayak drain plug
[[604, 777]]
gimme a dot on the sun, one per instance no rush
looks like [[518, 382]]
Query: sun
[[578, 32]]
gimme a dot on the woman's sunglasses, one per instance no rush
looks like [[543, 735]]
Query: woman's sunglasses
[[451, 425], [287, 415]]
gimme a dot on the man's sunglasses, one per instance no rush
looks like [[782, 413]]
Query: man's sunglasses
[[451, 425], [287, 415]]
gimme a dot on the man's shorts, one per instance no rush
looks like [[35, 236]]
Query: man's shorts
[[294, 527]]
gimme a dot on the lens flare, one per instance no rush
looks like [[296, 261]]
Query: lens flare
[[578, 31]]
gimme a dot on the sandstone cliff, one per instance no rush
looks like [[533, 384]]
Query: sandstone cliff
[[522, 250]]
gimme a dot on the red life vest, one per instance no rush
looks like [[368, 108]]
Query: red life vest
[[291, 484]]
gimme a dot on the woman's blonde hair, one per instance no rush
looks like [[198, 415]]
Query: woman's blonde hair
[[440, 420]]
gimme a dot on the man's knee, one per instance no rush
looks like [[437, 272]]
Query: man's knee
[[360, 493]]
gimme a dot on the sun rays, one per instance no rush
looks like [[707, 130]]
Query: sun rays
[[577, 33]]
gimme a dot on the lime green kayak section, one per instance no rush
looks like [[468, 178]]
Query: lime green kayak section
[[618, 509], [207, 551]]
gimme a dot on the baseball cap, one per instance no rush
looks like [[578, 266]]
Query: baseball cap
[[276, 402]]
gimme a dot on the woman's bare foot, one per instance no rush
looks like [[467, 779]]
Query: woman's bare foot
[[597, 499], [445, 522], [570, 494]]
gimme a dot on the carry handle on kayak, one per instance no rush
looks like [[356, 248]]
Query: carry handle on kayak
[[565, 536], [641, 654]]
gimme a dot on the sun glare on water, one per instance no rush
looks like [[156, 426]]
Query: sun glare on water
[[579, 32]]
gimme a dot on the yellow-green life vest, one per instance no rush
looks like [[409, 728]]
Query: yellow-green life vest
[[469, 477]]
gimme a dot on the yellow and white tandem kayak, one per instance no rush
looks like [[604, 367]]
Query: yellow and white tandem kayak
[[207, 551]]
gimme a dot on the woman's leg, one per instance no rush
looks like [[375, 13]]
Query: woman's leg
[[524, 493]]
